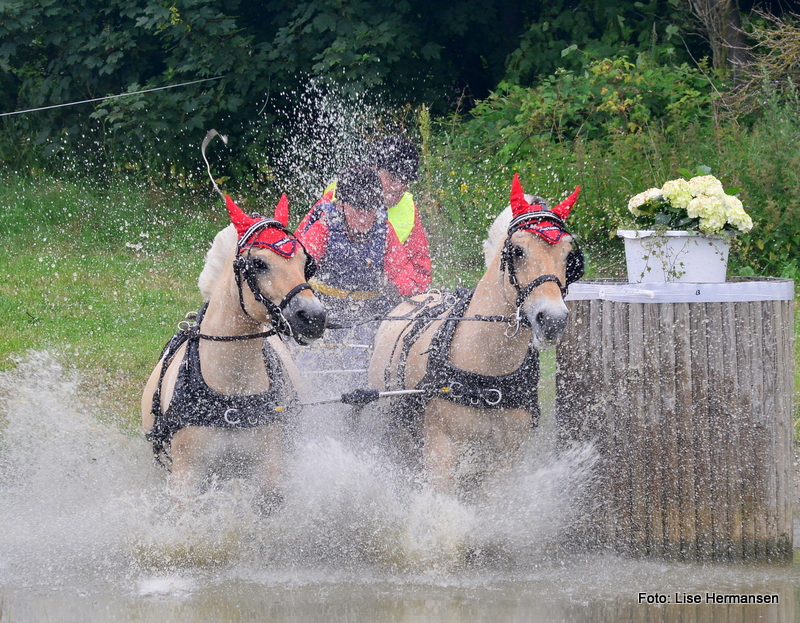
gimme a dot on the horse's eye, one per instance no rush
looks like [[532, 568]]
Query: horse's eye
[[516, 252], [260, 265]]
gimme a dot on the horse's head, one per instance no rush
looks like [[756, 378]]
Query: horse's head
[[541, 259], [275, 266]]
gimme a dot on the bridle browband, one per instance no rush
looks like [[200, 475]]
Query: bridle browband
[[244, 271]]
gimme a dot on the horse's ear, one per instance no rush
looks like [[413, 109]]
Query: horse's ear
[[563, 208], [519, 205], [240, 220], [282, 211]]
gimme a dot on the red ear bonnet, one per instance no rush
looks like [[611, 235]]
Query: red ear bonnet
[[240, 220], [550, 230], [563, 208], [274, 238], [519, 205], [282, 211]]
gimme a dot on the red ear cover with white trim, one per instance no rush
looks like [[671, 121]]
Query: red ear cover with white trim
[[240, 220], [282, 211], [563, 208], [273, 238], [519, 205]]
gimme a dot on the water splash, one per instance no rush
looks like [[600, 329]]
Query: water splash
[[80, 499]]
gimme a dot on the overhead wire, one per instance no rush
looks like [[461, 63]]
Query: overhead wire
[[109, 97]]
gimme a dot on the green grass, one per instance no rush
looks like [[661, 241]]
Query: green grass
[[104, 288]]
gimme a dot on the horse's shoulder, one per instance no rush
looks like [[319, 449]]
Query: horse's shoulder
[[167, 386]]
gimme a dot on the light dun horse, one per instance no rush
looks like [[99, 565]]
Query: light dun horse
[[217, 400], [480, 377]]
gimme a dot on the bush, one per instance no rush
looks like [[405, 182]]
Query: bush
[[616, 130]]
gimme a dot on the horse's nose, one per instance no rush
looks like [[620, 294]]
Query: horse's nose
[[551, 325], [548, 320], [307, 319]]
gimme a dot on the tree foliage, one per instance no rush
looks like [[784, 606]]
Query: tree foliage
[[59, 51]]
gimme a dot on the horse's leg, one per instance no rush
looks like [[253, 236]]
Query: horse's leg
[[269, 468], [190, 449], [439, 451]]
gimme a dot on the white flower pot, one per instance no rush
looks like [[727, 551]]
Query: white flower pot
[[684, 256]]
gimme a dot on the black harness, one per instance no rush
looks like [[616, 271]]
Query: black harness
[[194, 403], [517, 390]]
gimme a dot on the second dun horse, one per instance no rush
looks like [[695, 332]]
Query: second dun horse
[[217, 400], [479, 375]]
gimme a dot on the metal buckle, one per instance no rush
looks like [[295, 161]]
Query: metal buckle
[[452, 390], [517, 319], [188, 321], [492, 403], [230, 421]]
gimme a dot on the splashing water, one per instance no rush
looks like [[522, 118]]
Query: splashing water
[[79, 497], [89, 528], [325, 129]]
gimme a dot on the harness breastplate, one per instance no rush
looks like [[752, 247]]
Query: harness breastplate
[[194, 403], [517, 390]]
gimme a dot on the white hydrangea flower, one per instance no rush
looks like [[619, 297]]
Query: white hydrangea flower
[[639, 200], [711, 211], [678, 193], [706, 185], [736, 214]]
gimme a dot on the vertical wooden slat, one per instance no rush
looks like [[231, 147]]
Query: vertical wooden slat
[[605, 422], [621, 439], [572, 363], [768, 358], [702, 464], [747, 441], [761, 447], [653, 448], [786, 373], [636, 357], [685, 428], [669, 431], [733, 415], [717, 432]]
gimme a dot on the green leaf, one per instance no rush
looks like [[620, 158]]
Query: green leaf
[[569, 50], [662, 218]]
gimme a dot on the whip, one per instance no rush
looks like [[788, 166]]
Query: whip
[[208, 138], [360, 397]]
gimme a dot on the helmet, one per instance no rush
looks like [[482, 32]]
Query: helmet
[[398, 156]]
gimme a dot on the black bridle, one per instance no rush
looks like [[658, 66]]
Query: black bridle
[[574, 260], [244, 271]]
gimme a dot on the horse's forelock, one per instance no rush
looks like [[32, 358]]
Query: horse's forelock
[[216, 257], [497, 233]]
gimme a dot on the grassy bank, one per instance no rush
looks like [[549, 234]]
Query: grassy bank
[[100, 278]]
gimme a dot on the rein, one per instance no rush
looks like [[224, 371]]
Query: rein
[[189, 325]]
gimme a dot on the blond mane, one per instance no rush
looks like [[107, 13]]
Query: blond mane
[[216, 257], [496, 236]]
